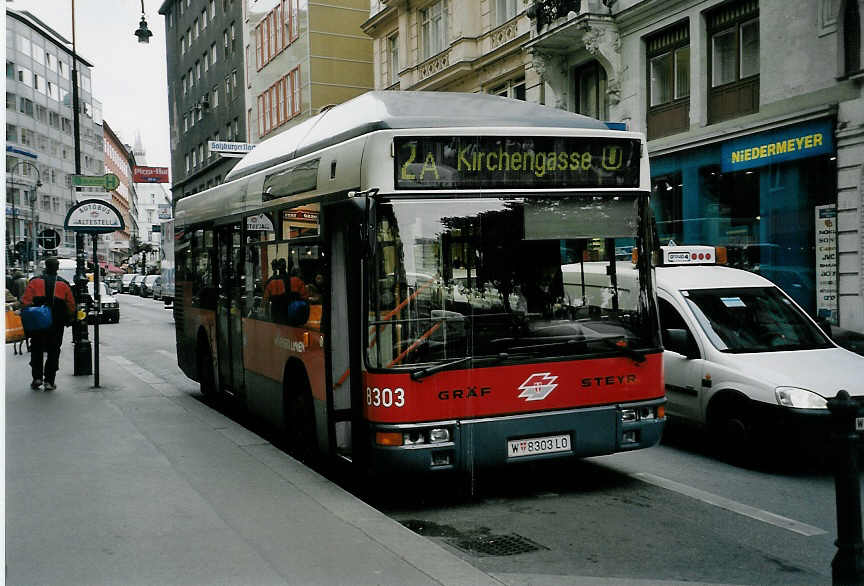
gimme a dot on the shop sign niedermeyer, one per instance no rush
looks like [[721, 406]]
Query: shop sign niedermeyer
[[94, 217], [826, 262], [780, 145]]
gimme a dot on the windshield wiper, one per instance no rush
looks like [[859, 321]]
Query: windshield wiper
[[424, 372]]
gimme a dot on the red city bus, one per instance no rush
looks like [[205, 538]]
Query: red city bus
[[383, 282]]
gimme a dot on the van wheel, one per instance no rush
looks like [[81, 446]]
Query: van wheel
[[206, 376], [731, 429], [300, 435]]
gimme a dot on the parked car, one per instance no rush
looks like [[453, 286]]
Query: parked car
[[110, 305], [145, 289], [125, 281], [135, 284], [157, 289]]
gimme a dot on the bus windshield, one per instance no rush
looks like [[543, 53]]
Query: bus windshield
[[506, 280]]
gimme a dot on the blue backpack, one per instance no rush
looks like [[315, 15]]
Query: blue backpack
[[38, 318]]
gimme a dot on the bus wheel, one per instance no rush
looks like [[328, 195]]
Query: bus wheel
[[206, 376], [300, 436]]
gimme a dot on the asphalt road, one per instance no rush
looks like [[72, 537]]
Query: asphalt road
[[673, 512]]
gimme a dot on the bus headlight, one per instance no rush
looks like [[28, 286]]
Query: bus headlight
[[438, 435], [799, 398]]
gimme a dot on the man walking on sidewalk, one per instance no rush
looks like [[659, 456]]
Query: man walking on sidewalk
[[62, 304]]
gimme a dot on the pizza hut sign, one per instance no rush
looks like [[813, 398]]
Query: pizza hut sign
[[94, 216]]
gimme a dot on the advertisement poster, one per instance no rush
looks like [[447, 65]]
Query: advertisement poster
[[826, 262]]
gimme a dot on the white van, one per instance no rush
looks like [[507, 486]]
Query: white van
[[742, 358]]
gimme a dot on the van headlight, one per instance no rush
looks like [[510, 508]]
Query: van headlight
[[799, 398]]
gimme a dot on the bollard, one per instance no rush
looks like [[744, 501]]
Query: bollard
[[847, 567]]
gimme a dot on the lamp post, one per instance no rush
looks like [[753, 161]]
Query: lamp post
[[143, 33], [83, 362], [32, 197]]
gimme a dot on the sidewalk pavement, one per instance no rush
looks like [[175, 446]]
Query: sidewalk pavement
[[141, 483]]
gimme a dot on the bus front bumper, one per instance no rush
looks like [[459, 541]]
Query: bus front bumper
[[510, 440]]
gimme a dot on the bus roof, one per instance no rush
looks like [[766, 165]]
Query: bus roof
[[395, 110]]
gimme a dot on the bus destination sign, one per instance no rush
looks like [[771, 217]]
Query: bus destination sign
[[516, 162]]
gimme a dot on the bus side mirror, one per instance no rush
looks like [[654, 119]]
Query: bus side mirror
[[367, 205], [680, 341]]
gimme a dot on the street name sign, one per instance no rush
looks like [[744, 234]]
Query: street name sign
[[229, 149], [108, 182], [93, 216]]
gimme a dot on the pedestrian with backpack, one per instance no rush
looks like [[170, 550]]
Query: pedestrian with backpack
[[49, 306]]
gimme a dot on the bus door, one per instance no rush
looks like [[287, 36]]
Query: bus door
[[229, 310], [340, 338]]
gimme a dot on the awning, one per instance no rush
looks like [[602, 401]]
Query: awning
[[110, 268]]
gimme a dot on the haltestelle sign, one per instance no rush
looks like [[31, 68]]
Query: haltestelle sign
[[150, 175], [94, 216]]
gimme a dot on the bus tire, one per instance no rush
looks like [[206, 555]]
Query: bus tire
[[206, 376], [300, 434]]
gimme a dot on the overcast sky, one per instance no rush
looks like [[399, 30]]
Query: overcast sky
[[129, 78]]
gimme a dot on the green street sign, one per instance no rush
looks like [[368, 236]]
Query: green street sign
[[108, 182]]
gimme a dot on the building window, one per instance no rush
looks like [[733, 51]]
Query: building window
[[11, 101], [590, 83], [270, 35], [668, 55], [10, 70], [185, 122], [195, 28], [190, 78], [206, 59], [198, 70], [212, 9], [851, 38], [733, 60], [12, 132], [433, 27], [505, 10], [203, 19], [215, 96], [393, 59], [213, 54], [514, 88], [227, 88], [188, 167]]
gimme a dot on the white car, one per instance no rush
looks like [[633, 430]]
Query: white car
[[741, 357]]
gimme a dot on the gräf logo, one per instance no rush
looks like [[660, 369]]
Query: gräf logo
[[538, 386]]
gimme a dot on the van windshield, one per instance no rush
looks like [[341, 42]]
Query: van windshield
[[753, 319]]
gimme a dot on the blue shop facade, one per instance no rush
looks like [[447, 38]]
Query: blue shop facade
[[769, 197]]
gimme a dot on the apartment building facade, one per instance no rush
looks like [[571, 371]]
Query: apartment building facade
[[302, 56], [40, 151], [118, 160], [206, 98], [452, 45], [753, 110]]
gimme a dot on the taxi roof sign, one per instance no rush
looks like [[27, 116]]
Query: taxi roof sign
[[689, 255]]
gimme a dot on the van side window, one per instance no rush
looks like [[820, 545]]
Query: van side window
[[671, 319]]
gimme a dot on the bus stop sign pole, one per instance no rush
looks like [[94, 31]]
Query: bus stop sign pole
[[97, 303], [94, 217]]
